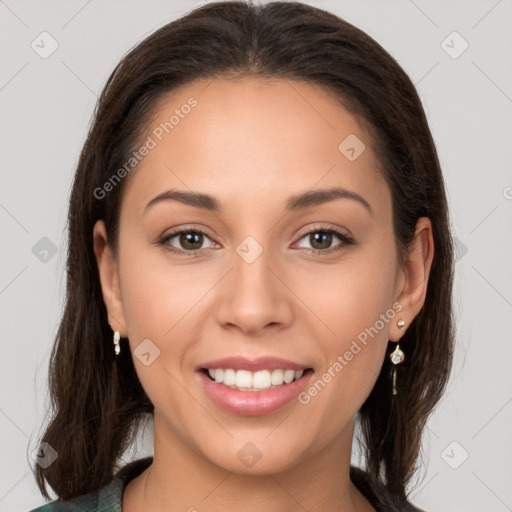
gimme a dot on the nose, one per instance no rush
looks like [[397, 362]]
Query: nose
[[254, 297]]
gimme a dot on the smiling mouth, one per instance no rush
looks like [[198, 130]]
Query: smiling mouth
[[263, 380]]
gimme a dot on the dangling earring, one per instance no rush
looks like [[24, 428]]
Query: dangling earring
[[397, 357], [117, 347]]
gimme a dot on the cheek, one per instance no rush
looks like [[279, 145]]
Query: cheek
[[355, 308], [156, 293], [157, 300], [161, 302], [350, 296]]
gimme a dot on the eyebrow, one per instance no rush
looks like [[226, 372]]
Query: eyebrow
[[294, 203]]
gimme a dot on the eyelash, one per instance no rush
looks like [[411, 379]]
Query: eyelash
[[346, 239]]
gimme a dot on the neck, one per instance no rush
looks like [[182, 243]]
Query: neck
[[182, 479]]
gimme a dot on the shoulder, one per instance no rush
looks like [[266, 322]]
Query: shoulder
[[378, 496], [84, 503], [106, 499]]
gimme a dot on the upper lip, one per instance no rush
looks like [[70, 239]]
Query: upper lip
[[253, 365]]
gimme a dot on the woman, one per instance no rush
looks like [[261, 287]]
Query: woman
[[260, 259]]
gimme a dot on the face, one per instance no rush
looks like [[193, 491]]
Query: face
[[315, 283]]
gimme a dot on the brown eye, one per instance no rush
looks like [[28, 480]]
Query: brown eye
[[186, 242], [191, 240], [321, 240]]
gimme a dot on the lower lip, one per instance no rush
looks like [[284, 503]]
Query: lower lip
[[253, 403]]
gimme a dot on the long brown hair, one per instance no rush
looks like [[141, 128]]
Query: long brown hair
[[97, 400]]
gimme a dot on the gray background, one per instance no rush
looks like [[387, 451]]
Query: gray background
[[46, 107]]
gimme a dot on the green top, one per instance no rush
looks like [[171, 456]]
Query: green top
[[109, 498]]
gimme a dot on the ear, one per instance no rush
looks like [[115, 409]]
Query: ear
[[413, 281], [109, 279]]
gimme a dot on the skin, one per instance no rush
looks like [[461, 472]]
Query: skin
[[253, 143]]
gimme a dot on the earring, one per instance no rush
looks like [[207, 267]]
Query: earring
[[397, 357], [117, 347]]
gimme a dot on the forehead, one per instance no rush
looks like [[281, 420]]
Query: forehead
[[254, 138]]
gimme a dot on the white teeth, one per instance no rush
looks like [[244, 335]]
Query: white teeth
[[229, 377], [243, 379], [262, 379], [248, 381], [289, 375], [277, 377]]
